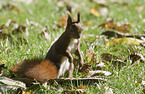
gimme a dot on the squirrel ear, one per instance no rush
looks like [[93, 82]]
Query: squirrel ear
[[69, 20], [79, 16]]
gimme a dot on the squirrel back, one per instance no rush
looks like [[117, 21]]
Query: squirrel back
[[36, 68]]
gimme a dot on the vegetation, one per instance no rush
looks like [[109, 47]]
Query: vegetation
[[27, 29]]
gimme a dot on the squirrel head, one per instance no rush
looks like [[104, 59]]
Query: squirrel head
[[74, 27]]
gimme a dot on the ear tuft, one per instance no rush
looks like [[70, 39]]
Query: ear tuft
[[79, 16], [69, 20]]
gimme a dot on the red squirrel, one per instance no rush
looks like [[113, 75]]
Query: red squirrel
[[59, 57]]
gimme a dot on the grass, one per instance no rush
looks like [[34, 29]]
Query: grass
[[47, 13]]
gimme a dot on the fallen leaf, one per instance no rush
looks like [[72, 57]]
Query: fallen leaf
[[135, 57], [112, 60], [94, 12], [82, 87], [108, 57], [113, 33], [125, 28], [98, 73], [123, 41], [11, 82], [109, 25], [28, 92], [85, 69], [62, 21]]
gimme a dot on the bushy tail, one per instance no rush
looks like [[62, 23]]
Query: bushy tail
[[38, 69]]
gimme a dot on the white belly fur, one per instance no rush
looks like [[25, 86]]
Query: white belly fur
[[65, 64], [73, 45]]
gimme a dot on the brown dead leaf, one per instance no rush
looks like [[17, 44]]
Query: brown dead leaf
[[115, 61], [94, 12], [125, 28], [109, 25], [85, 69], [62, 21], [82, 87], [28, 92], [135, 57], [112, 33], [108, 57]]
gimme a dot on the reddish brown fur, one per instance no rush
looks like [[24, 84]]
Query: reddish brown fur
[[36, 68]]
